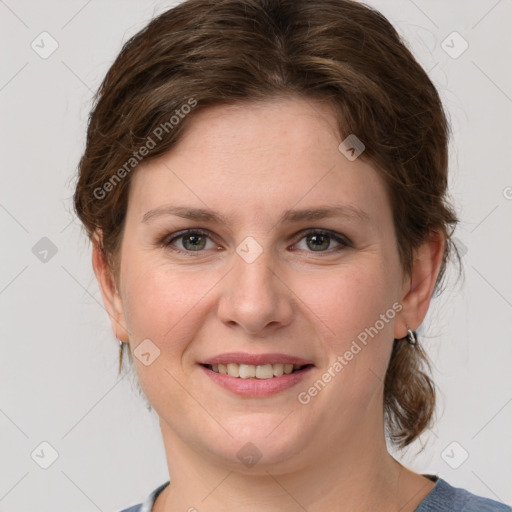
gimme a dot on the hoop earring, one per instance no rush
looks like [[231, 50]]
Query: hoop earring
[[411, 337]]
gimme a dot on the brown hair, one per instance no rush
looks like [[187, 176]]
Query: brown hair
[[234, 51]]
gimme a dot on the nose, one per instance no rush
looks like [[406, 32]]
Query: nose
[[255, 297]]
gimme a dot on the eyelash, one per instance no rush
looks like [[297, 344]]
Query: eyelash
[[342, 240]]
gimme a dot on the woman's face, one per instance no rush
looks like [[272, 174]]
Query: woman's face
[[268, 281]]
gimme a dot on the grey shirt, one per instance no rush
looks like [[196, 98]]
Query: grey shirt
[[442, 498]]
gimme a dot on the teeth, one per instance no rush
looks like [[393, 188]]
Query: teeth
[[264, 371], [233, 370], [278, 369], [248, 371]]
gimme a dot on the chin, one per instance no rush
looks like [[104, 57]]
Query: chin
[[261, 443]]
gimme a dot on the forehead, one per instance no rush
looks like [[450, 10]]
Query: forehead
[[261, 158]]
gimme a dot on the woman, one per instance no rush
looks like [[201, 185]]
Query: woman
[[265, 186]]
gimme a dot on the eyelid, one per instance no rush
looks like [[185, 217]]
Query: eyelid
[[168, 239], [341, 239], [334, 235]]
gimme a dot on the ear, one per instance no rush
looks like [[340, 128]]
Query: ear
[[108, 288], [419, 286]]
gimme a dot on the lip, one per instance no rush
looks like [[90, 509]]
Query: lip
[[253, 387], [255, 359], [256, 388]]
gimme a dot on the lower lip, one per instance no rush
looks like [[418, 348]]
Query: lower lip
[[253, 387]]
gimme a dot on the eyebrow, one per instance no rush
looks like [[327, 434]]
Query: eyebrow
[[290, 216]]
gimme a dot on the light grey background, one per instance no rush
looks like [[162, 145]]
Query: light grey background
[[59, 357]]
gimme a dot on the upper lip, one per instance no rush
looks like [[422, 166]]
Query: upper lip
[[255, 359]]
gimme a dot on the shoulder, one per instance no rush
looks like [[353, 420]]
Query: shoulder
[[446, 498], [134, 508], [147, 504]]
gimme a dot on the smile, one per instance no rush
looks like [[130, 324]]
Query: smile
[[251, 371]]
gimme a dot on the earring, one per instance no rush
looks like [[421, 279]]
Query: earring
[[412, 339], [120, 343]]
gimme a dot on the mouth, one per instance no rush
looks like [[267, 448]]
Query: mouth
[[251, 371], [256, 380], [250, 375]]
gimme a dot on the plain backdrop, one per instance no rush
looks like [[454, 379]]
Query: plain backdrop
[[58, 362]]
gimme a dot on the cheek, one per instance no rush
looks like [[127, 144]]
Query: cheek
[[163, 303], [359, 308], [165, 307], [347, 306], [350, 300]]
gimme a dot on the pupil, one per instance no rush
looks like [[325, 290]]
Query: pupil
[[196, 240], [323, 237]]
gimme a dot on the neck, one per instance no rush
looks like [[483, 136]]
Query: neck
[[355, 475]]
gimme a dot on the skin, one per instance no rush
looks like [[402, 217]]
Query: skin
[[251, 163]]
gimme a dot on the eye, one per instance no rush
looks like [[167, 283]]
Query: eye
[[319, 240], [198, 240], [190, 241]]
